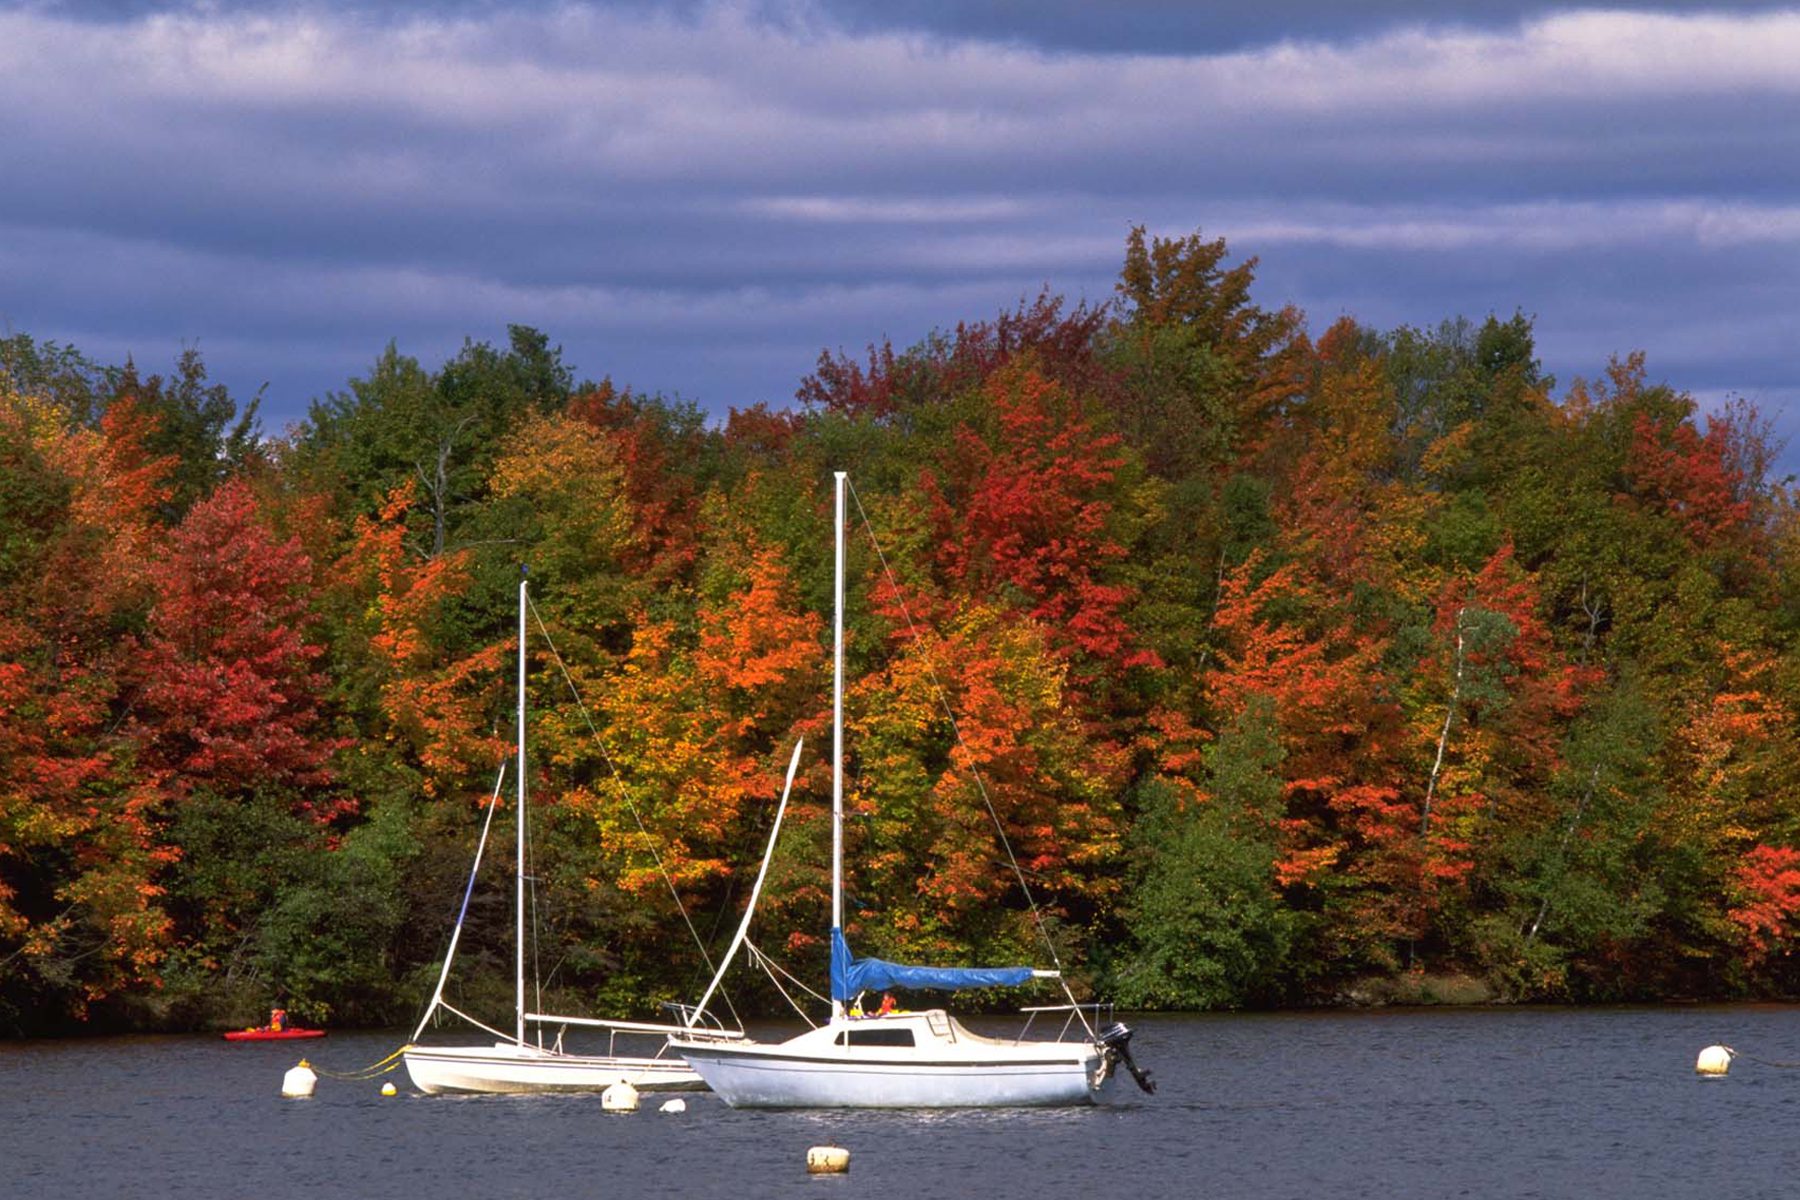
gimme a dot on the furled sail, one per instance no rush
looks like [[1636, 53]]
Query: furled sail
[[852, 975]]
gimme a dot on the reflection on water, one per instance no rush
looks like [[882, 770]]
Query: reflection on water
[[1593, 1104]]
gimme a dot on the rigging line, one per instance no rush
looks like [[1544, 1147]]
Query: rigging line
[[765, 964], [1037, 915], [776, 981], [437, 995], [625, 795], [770, 965], [485, 1028]]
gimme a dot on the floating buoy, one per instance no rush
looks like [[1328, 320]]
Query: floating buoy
[[388, 1089], [673, 1106], [827, 1160], [1714, 1060], [299, 1081], [620, 1097]]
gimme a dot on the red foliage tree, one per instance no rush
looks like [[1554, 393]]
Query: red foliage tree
[[227, 692], [1768, 883], [1689, 477], [663, 498], [1028, 511], [1060, 344]]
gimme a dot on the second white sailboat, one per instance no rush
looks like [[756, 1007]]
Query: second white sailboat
[[525, 1064]]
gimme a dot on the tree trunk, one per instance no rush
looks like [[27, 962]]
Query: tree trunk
[[1437, 766]]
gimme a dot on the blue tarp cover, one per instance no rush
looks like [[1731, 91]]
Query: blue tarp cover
[[852, 975]]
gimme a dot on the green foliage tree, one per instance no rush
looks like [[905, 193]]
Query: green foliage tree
[[1207, 926], [1581, 884], [441, 431], [58, 375], [194, 423]]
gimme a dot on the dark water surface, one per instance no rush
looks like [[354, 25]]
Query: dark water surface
[[1594, 1104]]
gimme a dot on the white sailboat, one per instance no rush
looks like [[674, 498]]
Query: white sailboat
[[525, 1064], [904, 1059]]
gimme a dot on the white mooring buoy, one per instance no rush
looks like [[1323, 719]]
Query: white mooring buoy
[[299, 1081], [388, 1089], [1714, 1060], [676, 1105], [620, 1097], [827, 1160]]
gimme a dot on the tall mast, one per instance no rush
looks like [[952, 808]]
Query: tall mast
[[519, 931], [837, 731]]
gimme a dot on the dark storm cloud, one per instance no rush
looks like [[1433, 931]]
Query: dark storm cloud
[[1077, 26], [1184, 27], [697, 198]]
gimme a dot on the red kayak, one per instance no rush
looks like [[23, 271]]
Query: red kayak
[[271, 1035]]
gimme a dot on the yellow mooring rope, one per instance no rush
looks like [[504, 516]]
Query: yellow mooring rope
[[371, 1071], [1767, 1062]]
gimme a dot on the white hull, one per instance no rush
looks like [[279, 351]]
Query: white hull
[[947, 1067], [505, 1067]]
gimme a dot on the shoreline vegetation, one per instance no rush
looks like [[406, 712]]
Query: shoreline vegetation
[[1302, 667], [147, 1014]]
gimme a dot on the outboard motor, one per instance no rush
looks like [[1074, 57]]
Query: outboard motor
[[1115, 1040]]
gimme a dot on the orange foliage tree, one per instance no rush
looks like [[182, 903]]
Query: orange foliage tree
[[964, 737], [1285, 643], [81, 853], [432, 702]]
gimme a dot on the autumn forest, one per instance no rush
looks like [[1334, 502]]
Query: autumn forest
[[1299, 666]]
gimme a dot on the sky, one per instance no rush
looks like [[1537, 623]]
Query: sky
[[697, 199]]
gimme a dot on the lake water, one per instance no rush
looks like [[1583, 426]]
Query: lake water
[[1592, 1104]]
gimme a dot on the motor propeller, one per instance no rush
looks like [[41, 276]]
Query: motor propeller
[[1115, 1040]]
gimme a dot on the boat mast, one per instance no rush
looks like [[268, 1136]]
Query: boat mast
[[837, 732], [519, 930]]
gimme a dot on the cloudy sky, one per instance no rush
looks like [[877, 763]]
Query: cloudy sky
[[696, 198]]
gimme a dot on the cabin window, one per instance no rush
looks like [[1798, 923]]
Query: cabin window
[[875, 1037]]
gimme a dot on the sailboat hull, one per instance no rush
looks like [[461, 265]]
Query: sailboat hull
[[938, 1064], [505, 1067], [756, 1081]]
